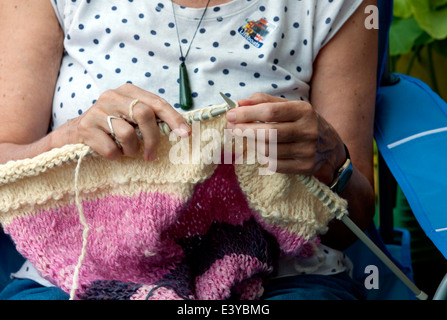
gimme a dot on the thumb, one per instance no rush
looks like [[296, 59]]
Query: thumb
[[258, 98]]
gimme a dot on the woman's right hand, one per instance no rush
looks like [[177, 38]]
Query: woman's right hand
[[92, 127]]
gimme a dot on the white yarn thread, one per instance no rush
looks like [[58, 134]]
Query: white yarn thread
[[132, 104], [75, 281]]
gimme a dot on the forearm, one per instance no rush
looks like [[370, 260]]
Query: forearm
[[359, 194], [343, 93], [16, 151], [30, 56]]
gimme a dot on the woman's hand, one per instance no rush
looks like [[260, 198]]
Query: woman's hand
[[306, 143], [92, 128]]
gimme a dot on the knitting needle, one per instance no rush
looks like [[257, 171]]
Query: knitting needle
[[200, 115], [231, 103], [387, 261]]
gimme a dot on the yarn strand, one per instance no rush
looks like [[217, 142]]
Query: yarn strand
[[83, 220], [276, 213]]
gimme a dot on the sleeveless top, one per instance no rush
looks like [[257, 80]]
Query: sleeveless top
[[241, 47]]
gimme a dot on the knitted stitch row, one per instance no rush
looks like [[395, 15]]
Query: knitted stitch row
[[158, 230]]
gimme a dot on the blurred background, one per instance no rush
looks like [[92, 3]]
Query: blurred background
[[418, 47], [418, 41]]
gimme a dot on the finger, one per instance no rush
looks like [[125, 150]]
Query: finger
[[117, 103], [126, 136], [92, 129], [104, 145], [285, 132], [147, 124], [303, 150], [269, 112], [258, 98], [294, 166], [160, 107]]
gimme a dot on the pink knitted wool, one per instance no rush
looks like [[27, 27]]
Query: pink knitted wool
[[129, 229], [136, 239]]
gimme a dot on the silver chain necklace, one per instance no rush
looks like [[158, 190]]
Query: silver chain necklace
[[185, 95]]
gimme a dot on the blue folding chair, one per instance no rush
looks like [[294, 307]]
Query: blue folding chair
[[411, 136], [414, 150]]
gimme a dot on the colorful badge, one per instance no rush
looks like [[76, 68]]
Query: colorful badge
[[255, 31]]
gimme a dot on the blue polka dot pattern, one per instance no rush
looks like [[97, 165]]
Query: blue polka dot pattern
[[110, 43]]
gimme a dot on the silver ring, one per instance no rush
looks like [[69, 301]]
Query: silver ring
[[132, 104], [109, 122], [112, 132]]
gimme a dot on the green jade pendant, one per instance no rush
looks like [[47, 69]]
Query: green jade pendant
[[185, 89]]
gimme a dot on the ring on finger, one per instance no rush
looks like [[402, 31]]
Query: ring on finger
[[112, 132], [109, 122], [132, 104]]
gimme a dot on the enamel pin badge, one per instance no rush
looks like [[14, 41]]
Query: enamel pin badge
[[255, 31]]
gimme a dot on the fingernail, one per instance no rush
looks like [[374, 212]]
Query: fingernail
[[151, 156], [185, 127], [182, 131], [230, 125], [231, 116]]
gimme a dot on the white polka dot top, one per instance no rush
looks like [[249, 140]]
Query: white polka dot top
[[241, 47]]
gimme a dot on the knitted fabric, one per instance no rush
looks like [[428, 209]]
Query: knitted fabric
[[154, 230]]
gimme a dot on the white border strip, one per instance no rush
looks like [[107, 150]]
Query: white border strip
[[441, 230], [416, 136]]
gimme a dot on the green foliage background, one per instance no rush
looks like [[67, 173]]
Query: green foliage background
[[418, 41]]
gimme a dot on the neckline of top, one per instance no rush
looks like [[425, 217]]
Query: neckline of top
[[214, 12]]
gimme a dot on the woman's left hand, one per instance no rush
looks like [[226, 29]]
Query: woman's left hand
[[306, 143]]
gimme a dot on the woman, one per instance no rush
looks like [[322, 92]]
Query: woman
[[305, 68]]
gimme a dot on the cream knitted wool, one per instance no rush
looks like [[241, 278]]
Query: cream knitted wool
[[138, 212]]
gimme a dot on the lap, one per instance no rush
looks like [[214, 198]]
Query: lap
[[314, 287], [24, 289], [301, 287], [306, 287]]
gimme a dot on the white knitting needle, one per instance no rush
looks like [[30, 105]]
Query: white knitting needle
[[201, 116], [387, 261]]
